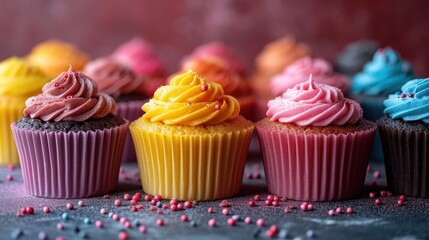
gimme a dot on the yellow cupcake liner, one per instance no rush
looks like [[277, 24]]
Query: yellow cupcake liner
[[10, 111], [204, 166]]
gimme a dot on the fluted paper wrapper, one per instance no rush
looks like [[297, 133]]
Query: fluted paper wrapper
[[315, 167], [70, 165], [10, 111], [197, 167], [406, 158], [130, 110]]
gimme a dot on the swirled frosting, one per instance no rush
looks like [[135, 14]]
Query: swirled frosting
[[385, 74], [71, 96], [191, 100], [20, 78], [114, 78], [54, 57], [140, 56], [219, 50], [411, 103], [295, 73], [311, 103], [352, 59]]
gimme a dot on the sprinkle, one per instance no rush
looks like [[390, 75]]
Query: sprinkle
[[212, 222], [42, 235], [270, 234], [276, 198], [184, 218], [106, 196], [123, 235], [257, 197], [9, 177], [46, 210], [80, 203], [383, 193], [86, 220], [159, 211], [210, 210], [19, 214], [59, 238], [402, 197], [283, 199], [115, 217], [225, 211], [268, 202], [103, 211], [403, 95], [134, 209], [389, 194], [236, 217], [377, 201], [188, 103], [152, 208], [371, 195], [157, 197], [127, 196], [173, 207], [249, 175], [99, 224], [160, 222], [275, 203], [349, 210], [224, 204], [310, 233], [376, 174], [11, 167], [165, 206], [339, 210], [331, 212], [248, 220], [231, 222], [204, 88], [411, 95], [147, 198], [133, 202], [122, 220], [217, 106], [274, 228], [193, 223], [173, 201], [270, 197], [310, 207], [188, 204], [56, 84], [194, 202], [256, 175], [139, 206], [118, 202], [142, 229], [127, 224], [69, 206], [179, 206], [260, 222], [251, 203], [29, 210], [137, 194], [153, 202], [65, 216], [400, 202], [60, 226], [158, 204]]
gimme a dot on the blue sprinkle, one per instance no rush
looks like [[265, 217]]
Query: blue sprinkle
[[65, 216], [236, 217], [158, 204], [86, 220]]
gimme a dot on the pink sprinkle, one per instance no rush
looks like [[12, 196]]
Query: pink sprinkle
[[157, 197], [9, 177], [159, 211], [133, 202], [127, 224], [106, 196], [60, 226], [231, 221], [256, 175], [252, 203], [274, 228], [349, 210], [29, 210], [59, 238], [268, 202], [270, 234], [257, 197], [260, 222], [188, 204], [19, 214], [153, 202], [147, 198], [11, 167], [80, 203], [127, 196], [331, 212], [123, 220], [134, 209], [225, 211], [123, 235], [152, 208], [339, 210], [283, 199], [377, 201], [224, 204], [99, 224], [46, 210], [275, 203], [389, 194], [287, 210], [173, 201], [383, 193], [139, 206], [217, 107], [103, 211], [179, 206], [184, 218], [165, 206], [212, 222], [310, 207], [204, 88], [69, 206], [135, 198], [173, 207], [210, 210], [121, 170], [371, 195], [304, 207], [276, 198], [400, 202], [137, 194], [270, 197], [160, 222], [118, 202], [249, 175], [115, 217], [248, 220], [142, 229], [402, 197]]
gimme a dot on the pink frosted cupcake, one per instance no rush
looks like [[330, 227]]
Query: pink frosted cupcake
[[321, 71], [140, 56], [129, 91], [315, 144], [68, 141]]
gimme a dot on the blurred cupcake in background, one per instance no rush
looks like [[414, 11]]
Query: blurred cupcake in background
[[383, 75], [18, 81], [404, 135], [55, 57], [141, 57], [272, 60], [219, 71], [352, 59], [297, 72]]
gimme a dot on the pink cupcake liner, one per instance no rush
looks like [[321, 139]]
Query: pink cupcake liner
[[315, 167], [131, 111], [72, 164]]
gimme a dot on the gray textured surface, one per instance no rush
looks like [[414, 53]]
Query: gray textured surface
[[386, 221]]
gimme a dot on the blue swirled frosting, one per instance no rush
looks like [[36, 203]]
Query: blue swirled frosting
[[383, 75], [412, 104]]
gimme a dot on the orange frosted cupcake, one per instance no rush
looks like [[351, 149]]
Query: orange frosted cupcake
[[217, 70], [18, 81], [55, 57], [191, 143]]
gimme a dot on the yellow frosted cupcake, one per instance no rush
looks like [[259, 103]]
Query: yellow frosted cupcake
[[191, 143], [18, 81], [55, 57]]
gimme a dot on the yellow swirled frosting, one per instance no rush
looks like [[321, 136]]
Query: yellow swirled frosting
[[19, 78], [191, 100]]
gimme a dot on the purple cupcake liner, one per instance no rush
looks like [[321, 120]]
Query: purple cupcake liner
[[72, 164], [131, 111]]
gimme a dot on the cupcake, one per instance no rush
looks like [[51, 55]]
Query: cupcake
[[220, 50], [272, 60], [352, 59], [404, 135], [55, 57], [129, 91], [69, 143], [384, 75], [217, 70], [191, 143], [295, 73], [315, 144], [140, 56], [18, 81]]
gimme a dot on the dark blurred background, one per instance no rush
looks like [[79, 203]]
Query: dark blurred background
[[176, 27]]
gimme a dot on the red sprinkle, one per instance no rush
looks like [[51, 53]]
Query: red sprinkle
[[400, 202], [268, 202], [134, 209], [339, 210], [256, 175], [410, 95], [29, 210], [46, 210], [231, 221], [377, 201], [165, 206], [123, 235], [184, 218], [270, 234], [371, 195], [248, 220], [157, 197], [179, 206], [99, 224], [274, 228], [133, 202], [257, 197], [118, 202], [383, 193], [225, 211], [173, 207], [275, 203], [349, 210], [276, 198], [139, 206], [210, 210], [403, 95], [249, 175], [260, 222], [127, 196], [19, 214], [204, 88], [402, 197], [152, 208], [173, 201], [127, 224], [11, 167], [188, 204], [123, 220], [252, 203], [106, 196], [212, 222], [153, 202], [310, 207], [270, 197], [224, 204], [147, 198]]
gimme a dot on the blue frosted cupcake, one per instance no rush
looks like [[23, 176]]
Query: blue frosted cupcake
[[405, 138], [384, 75], [352, 59]]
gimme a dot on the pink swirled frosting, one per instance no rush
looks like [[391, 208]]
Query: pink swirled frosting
[[320, 69], [311, 103], [114, 78], [71, 96]]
